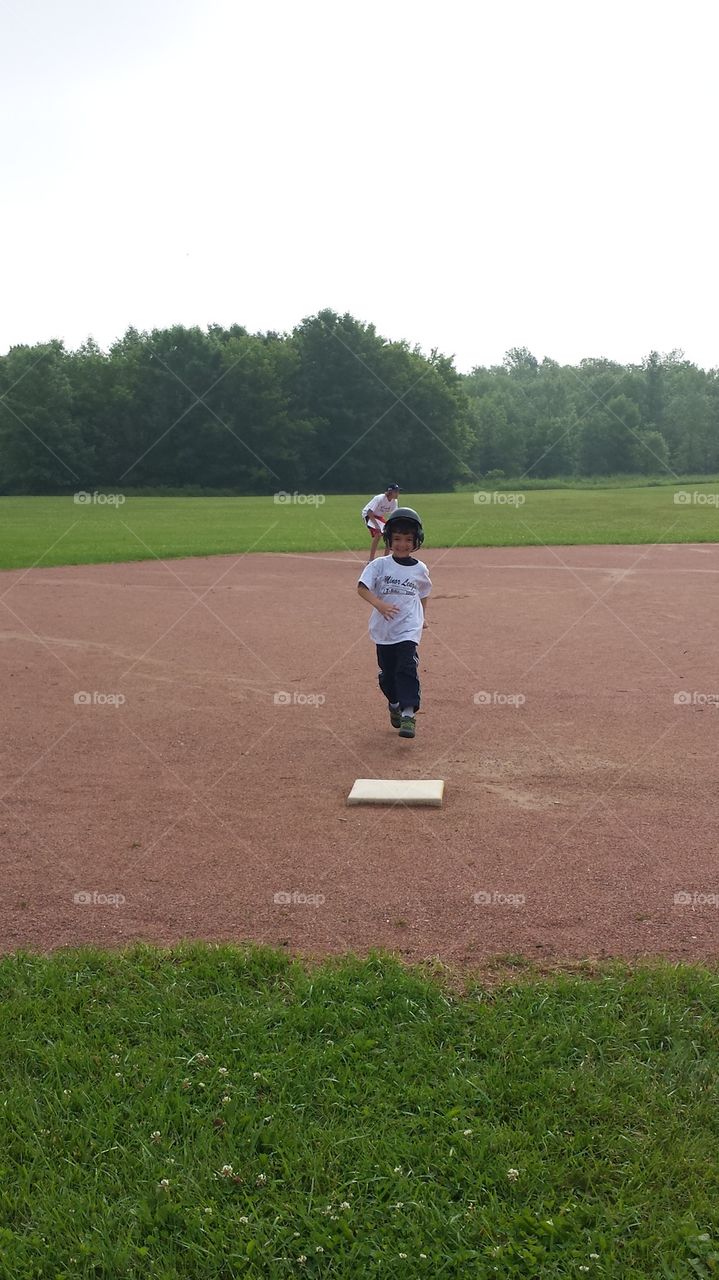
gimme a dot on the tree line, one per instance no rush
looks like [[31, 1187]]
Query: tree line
[[335, 407]]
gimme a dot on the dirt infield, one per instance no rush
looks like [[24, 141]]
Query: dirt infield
[[581, 809]]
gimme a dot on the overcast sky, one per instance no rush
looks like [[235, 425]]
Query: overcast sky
[[467, 176]]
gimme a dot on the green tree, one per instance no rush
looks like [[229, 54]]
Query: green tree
[[654, 396], [95, 399], [262, 445], [608, 438], [653, 454], [41, 447], [550, 448], [380, 409], [173, 377]]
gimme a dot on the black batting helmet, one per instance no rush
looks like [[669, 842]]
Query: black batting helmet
[[404, 515]]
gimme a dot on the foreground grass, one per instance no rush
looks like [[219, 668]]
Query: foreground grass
[[52, 531], [211, 1112]]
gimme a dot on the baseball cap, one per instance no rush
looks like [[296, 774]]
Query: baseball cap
[[392, 486]]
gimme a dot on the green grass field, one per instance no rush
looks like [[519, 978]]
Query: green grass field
[[58, 531], [214, 1112]]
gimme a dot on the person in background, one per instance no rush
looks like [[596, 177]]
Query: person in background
[[376, 512]]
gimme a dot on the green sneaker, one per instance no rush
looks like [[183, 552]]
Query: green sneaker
[[395, 717], [406, 728]]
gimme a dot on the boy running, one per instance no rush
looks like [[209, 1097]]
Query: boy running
[[397, 586]]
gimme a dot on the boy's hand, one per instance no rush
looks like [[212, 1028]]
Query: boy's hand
[[386, 609]]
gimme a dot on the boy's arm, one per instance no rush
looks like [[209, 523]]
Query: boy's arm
[[423, 599], [382, 606]]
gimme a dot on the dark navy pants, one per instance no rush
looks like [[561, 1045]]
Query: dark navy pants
[[398, 673]]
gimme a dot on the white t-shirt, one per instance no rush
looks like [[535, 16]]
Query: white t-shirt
[[401, 584], [381, 504]]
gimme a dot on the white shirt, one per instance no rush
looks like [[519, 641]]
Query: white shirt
[[401, 584], [381, 504]]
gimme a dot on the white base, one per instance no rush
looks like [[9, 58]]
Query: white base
[[427, 791]]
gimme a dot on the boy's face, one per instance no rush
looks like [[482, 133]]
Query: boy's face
[[402, 544]]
